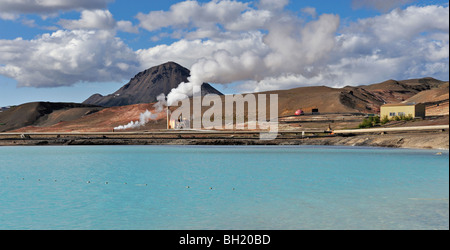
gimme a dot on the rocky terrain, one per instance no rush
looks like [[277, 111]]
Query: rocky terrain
[[437, 140], [43, 114], [343, 107], [104, 120], [146, 86]]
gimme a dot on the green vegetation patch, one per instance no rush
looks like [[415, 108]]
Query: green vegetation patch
[[375, 120], [370, 122]]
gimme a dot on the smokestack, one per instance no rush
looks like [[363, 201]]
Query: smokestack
[[168, 118]]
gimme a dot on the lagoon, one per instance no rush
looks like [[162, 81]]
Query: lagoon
[[223, 187]]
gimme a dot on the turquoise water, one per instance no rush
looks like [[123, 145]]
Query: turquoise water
[[196, 187]]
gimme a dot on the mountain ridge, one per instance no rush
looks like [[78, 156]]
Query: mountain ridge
[[43, 114], [363, 99], [147, 85]]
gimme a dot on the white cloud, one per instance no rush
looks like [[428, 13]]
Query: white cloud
[[49, 6], [273, 4], [381, 5], [264, 47], [294, 46], [91, 19], [250, 20], [192, 13], [407, 23], [310, 11], [288, 53], [127, 26], [402, 44], [187, 52], [281, 42], [13, 9], [64, 58], [8, 16], [287, 48], [98, 19], [284, 81]]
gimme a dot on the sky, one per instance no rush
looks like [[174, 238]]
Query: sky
[[67, 50]]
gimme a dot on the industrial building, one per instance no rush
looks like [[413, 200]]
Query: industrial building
[[415, 110]]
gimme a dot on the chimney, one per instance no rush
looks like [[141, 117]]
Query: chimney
[[168, 118]]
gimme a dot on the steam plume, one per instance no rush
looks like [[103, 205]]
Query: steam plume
[[144, 118], [147, 115], [290, 47]]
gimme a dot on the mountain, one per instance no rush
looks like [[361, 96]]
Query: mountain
[[43, 114], [436, 100], [65, 117], [102, 121], [147, 85], [434, 95], [353, 99]]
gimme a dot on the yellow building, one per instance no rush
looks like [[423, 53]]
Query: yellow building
[[403, 109]]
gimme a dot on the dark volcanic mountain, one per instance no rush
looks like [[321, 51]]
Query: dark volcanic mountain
[[147, 85]]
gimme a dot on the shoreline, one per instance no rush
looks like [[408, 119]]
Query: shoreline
[[413, 140]]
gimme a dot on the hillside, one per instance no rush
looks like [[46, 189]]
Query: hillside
[[434, 95], [437, 100], [146, 86], [102, 121], [326, 99], [43, 114], [360, 99], [115, 110]]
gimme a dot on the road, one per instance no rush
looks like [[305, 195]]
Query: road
[[211, 133]]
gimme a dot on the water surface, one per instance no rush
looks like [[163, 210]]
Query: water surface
[[222, 187]]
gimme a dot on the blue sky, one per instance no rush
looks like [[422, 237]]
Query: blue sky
[[67, 50]]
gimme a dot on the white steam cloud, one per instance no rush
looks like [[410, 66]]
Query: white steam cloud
[[289, 47], [147, 115], [144, 119]]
